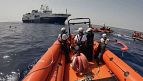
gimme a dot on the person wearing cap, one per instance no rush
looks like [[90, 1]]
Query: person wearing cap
[[62, 38], [103, 42], [80, 40], [90, 38]]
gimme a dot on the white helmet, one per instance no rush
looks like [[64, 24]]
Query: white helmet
[[80, 29], [64, 37], [104, 35], [76, 47], [63, 29], [89, 29]]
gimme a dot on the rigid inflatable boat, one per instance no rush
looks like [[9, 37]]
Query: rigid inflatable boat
[[52, 67], [103, 29]]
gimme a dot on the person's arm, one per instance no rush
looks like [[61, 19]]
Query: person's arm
[[75, 39], [59, 37], [106, 42]]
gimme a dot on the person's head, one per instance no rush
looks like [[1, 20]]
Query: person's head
[[63, 30], [80, 30], [135, 32], [104, 35], [89, 30]]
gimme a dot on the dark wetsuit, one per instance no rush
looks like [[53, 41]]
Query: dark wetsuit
[[89, 50]]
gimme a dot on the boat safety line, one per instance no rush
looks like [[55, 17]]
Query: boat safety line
[[126, 73], [52, 66], [52, 62], [111, 59]]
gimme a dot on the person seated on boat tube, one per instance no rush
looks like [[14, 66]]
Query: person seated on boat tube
[[62, 38], [89, 43], [103, 42], [80, 40]]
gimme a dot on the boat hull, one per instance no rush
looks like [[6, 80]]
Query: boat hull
[[50, 20], [52, 67]]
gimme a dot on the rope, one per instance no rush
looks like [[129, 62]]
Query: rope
[[126, 73], [52, 62], [52, 69], [111, 59]]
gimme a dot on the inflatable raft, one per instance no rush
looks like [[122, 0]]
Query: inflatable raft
[[52, 67]]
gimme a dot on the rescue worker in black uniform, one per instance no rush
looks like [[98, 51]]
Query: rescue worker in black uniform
[[89, 44]]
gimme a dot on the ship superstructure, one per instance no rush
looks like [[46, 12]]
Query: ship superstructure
[[45, 15]]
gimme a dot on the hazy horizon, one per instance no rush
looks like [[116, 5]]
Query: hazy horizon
[[115, 13]]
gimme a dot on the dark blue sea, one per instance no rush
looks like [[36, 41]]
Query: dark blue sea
[[21, 45]]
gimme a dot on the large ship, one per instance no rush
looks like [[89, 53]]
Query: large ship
[[45, 15]]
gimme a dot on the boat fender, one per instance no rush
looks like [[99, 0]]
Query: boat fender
[[84, 62], [79, 63], [80, 68], [124, 48], [74, 63]]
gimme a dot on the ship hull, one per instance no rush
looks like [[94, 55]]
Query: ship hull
[[51, 20]]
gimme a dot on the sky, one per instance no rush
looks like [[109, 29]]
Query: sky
[[126, 14]]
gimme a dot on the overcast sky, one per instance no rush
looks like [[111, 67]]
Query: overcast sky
[[117, 13]]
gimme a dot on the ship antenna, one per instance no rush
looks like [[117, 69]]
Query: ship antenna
[[41, 7], [66, 10], [47, 8]]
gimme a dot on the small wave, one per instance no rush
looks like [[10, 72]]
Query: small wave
[[6, 57], [11, 77], [118, 35]]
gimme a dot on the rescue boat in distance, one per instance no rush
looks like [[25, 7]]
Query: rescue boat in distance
[[52, 66], [103, 29]]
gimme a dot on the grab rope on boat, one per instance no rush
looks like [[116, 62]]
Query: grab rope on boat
[[126, 73], [52, 62]]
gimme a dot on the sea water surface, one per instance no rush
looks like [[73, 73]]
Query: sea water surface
[[21, 45]]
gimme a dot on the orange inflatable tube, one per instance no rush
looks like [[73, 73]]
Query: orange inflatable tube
[[60, 74], [58, 70], [124, 48], [42, 69], [122, 71], [52, 76]]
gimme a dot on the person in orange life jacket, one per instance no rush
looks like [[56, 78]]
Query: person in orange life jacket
[[62, 38], [80, 40], [103, 42], [90, 38]]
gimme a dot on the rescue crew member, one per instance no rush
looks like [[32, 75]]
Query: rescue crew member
[[62, 38], [80, 40], [103, 42], [90, 38]]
